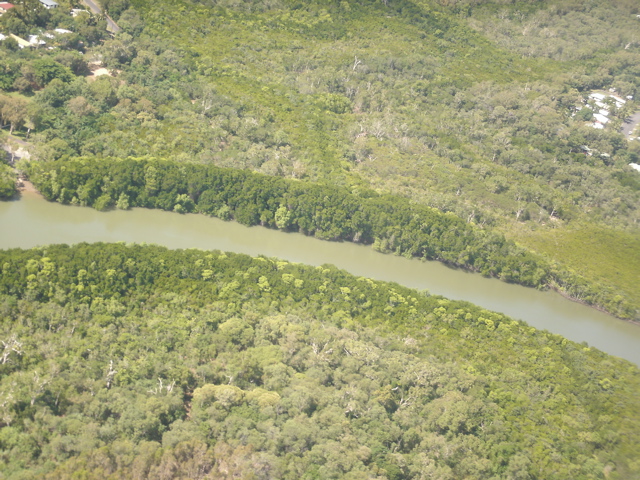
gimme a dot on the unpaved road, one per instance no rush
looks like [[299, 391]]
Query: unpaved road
[[630, 124], [111, 25]]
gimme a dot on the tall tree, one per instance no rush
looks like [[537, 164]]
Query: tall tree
[[14, 111]]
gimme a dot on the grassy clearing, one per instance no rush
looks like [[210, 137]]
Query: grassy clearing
[[602, 254]]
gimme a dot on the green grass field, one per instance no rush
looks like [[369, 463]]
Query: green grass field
[[598, 253]]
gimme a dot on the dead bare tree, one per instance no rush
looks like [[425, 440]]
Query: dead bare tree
[[10, 346], [111, 374]]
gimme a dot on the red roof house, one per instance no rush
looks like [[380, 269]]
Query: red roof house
[[4, 6]]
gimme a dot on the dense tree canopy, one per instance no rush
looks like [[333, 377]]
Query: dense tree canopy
[[138, 362], [7, 182], [439, 129]]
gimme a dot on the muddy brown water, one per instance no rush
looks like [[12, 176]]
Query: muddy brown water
[[31, 221]]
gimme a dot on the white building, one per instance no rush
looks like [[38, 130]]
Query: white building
[[35, 40], [49, 4], [600, 118]]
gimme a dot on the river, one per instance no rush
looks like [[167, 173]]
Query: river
[[32, 221]]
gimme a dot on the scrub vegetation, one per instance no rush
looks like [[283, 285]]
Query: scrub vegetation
[[456, 130], [596, 252], [141, 362]]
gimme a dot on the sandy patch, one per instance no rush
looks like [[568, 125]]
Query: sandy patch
[[26, 186], [101, 71], [98, 72]]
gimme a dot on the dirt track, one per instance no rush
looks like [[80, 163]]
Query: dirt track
[[630, 124]]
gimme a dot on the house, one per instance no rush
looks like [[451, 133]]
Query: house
[[35, 40], [619, 101], [5, 6], [599, 99], [77, 11], [62, 30], [601, 103], [49, 4], [21, 41], [600, 118]]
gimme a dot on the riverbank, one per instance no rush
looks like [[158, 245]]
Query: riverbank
[[16, 148], [42, 223], [571, 282], [25, 186], [564, 294], [388, 222]]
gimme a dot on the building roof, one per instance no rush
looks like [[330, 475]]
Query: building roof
[[35, 40], [21, 41], [48, 3], [600, 118], [6, 5], [600, 98]]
